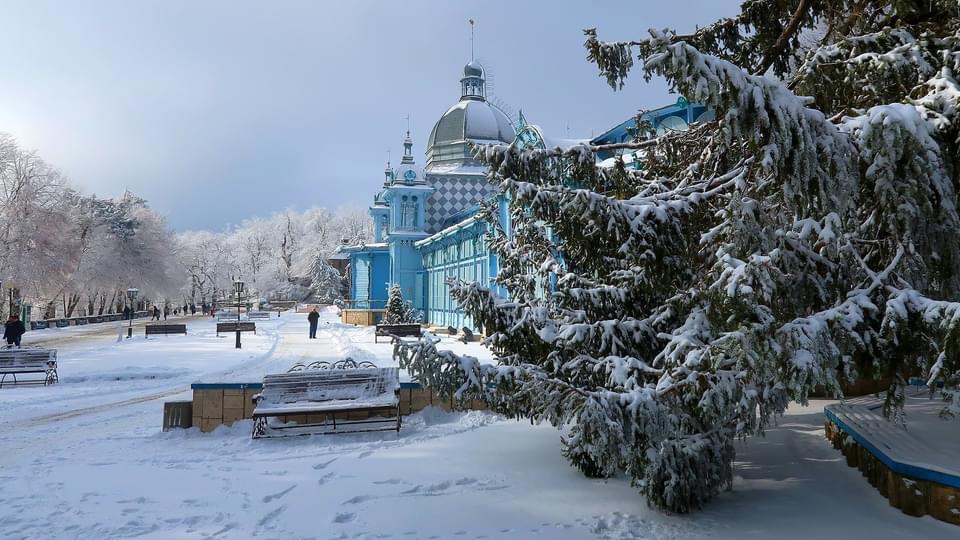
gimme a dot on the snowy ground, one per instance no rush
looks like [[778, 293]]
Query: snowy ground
[[86, 459]]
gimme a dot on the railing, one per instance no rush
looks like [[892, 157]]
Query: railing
[[80, 321]]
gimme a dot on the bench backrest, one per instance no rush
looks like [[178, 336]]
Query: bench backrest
[[407, 329], [244, 326], [226, 315], [166, 329], [258, 315], [21, 358], [331, 384]]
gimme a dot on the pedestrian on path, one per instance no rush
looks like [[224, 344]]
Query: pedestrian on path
[[156, 313], [13, 329], [314, 318]]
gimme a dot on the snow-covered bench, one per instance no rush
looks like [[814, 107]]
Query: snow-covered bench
[[15, 362], [258, 315], [305, 395], [227, 316], [399, 330]]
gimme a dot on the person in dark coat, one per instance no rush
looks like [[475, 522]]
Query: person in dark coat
[[156, 313], [127, 312], [13, 329], [314, 318]]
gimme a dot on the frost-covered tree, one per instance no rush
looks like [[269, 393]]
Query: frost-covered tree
[[398, 310], [806, 237]]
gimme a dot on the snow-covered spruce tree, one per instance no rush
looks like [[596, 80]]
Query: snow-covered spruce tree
[[807, 236], [326, 280], [398, 310]]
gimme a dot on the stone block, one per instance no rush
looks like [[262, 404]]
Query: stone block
[[943, 503], [197, 404], [912, 497], [209, 424], [212, 404], [405, 399], [248, 404], [231, 415], [444, 403], [419, 399], [233, 399]]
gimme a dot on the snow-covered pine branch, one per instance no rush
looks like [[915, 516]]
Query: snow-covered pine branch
[[797, 242]]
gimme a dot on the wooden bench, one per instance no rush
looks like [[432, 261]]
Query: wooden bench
[[227, 316], [399, 330], [243, 326], [258, 315], [24, 361], [165, 329], [305, 395]]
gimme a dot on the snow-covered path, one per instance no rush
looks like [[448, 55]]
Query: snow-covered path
[[86, 459]]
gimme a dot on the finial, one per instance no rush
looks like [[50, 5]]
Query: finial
[[471, 40], [408, 125]]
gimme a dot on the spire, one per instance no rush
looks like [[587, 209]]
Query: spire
[[407, 146], [472, 85], [388, 172]]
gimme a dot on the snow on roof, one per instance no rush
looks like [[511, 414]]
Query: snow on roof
[[457, 168], [444, 232]]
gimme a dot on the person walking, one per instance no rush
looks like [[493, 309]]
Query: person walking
[[314, 318], [166, 311], [156, 313], [13, 329]]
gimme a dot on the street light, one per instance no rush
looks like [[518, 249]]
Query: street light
[[238, 286], [132, 295]]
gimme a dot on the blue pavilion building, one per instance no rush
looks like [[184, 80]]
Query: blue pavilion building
[[426, 228]]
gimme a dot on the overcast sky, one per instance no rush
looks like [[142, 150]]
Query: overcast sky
[[215, 111]]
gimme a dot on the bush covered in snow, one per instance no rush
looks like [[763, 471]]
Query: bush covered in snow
[[807, 236]]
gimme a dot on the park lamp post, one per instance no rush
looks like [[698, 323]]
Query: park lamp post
[[238, 287], [132, 295]]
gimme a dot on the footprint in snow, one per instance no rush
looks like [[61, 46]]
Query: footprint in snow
[[269, 498], [345, 517], [323, 465], [391, 481], [358, 499], [365, 454], [325, 478]]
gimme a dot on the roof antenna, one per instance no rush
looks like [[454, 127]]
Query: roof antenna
[[471, 40]]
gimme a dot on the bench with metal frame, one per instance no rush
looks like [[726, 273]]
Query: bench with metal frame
[[243, 326], [397, 330], [310, 393], [164, 329], [15, 362], [259, 315]]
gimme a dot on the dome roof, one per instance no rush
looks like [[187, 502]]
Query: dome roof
[[472, 120], [468, 120], [473, 69]]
